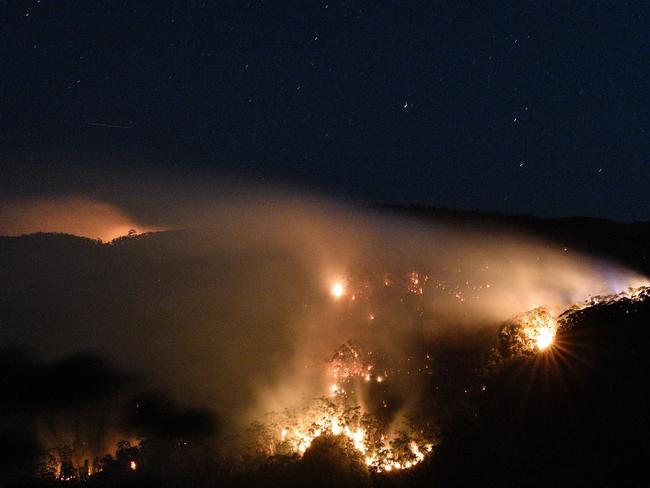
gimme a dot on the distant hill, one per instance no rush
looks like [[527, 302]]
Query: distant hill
[[626, 243]]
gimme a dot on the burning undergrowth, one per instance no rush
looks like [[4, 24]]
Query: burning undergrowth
[[359, 406], [76, 417]]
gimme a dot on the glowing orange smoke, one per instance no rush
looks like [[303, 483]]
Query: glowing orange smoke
[[79, 216]]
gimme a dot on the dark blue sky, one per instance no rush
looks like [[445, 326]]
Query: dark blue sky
[[517, 107]]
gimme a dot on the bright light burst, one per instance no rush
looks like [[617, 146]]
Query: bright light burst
[[529, 332], [338, 289], [538, 327], [545, 338]]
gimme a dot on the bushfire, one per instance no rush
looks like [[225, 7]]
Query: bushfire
[[360, 379], [357, 401]]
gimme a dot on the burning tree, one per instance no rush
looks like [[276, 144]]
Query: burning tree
[[527, 333]]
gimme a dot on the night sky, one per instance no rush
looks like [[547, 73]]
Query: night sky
[[517, 107]]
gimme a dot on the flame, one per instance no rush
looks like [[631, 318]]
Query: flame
[[379, 456], [545, 338], [336, 428]]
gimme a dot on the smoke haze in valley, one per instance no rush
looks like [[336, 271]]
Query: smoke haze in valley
[[230, 308]]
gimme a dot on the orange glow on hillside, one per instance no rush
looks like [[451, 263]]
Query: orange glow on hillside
[[83, 217]]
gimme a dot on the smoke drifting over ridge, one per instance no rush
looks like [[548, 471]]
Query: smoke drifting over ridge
[[73, 215], [233, 310]]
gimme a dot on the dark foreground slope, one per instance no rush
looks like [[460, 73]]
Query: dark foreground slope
[[574, 415]]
